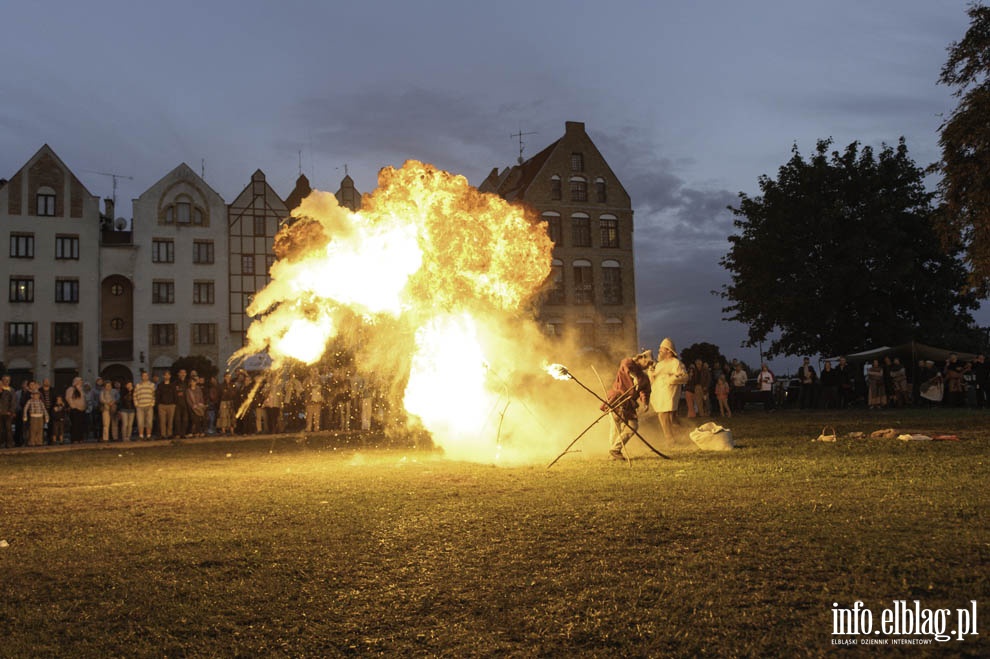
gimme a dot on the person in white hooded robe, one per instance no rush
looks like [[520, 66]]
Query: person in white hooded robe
[[667, 376]]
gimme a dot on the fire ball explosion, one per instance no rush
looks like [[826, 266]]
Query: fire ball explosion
[[430, 287]]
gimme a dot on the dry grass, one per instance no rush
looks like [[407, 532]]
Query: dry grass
[[298, 549]]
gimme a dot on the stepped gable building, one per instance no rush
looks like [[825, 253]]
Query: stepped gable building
[[253, 219], [50, 316], [179, 275], [591, 295]]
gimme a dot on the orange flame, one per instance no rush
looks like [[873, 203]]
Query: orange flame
[[429, 265]]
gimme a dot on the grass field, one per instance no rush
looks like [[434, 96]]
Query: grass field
[[284, 547]]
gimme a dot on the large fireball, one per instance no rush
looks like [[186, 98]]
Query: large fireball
[[429, 285]]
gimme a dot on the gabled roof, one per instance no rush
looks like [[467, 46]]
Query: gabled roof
[[513, 183], [47, 150]]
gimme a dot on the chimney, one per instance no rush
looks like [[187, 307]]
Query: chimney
[[108, 208], [575, 127]]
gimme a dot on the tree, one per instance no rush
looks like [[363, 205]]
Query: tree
[[839, 253], [202, 365], [965, 141], [709, 353]]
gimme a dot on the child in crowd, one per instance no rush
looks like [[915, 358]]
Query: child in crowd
[[58, 420], [722, 394], [36, 416]]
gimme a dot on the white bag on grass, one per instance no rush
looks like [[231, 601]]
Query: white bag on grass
[[712, 437]]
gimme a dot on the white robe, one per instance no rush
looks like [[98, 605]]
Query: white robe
[[667, 376]]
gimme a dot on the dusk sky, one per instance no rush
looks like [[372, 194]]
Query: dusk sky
[[689, 102]]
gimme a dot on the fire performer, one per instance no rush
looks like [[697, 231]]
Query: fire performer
[[631, 386], [667, 376]]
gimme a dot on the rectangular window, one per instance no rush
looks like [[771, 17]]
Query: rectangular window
[[584, 292], [259, 225], [67, 290], [577, 162], [247, 264], [202, 292], [204, 334], [269, 262], [203, 251], [610, 233], [579, 190], [67, 248], [555, 192], [46, 205], [20, 334], [65, 334], [611, 286], [22, 245], [163, 334], [162, 251], [581, 231], [163, 292], [22, 289]]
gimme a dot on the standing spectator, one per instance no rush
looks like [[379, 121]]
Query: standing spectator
[[76, 399], [272, 404], [144, 405], [228, 402], [212, 395], [35, 418], [702, 386], [196, 401], [167, 399], [342, 399], [808, 379], [181, 420], [292, 402], [955, 386], [48, 398], [56, 433], [93, 406], [846, 377], [765, 382], [738, 381], [902, 390], [722, 394], [108, 410], [314, 400], [7, 410], [877, 393], [830, 387], [126, 409], [689, 389], [981, 379], [21, 399]]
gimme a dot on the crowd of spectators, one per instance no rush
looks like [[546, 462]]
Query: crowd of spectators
[[881, 383], [185, 405]]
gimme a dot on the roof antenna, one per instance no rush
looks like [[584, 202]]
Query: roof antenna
[[115, 177], [521, 144], [300, 162]]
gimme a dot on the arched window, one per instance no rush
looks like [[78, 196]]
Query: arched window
[[553, 226], [556, 295], [579, 188], [613, 330], [584, 291], [555, 189], [611, 282], [184, 211], [601, 192], [586, 333], [609, 225]]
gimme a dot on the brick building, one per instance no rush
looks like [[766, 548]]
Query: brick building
[[592, 293]]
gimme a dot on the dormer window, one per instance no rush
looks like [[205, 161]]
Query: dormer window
[[46, 202]]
